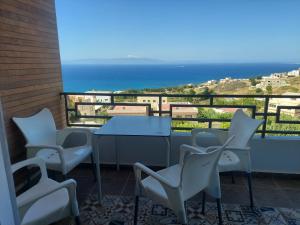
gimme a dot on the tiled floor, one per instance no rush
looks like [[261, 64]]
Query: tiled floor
[[268, 190]]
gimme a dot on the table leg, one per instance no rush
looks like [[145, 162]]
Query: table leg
[[117, 154], [168, 150], [96, 152]]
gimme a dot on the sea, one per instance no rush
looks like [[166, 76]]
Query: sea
[[81, 78]]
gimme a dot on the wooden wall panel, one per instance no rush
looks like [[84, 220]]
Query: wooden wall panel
[[30, 69]]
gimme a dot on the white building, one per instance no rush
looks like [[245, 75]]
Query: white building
[[101, 99], [277, 75], [271, 81], [294, 73], [225, 80], [90, 110], [275, 102], [153, 100], [211, 82]]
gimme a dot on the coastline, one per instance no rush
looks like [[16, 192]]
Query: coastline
[[81, 78]]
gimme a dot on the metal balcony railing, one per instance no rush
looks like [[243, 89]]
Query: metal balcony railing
[[276, 121]]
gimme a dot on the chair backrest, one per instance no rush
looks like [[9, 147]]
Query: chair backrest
[[198, 169], [38, 129], [243, 128]]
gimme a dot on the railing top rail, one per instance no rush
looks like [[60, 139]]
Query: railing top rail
[[255, 108], [179, 95], [212, 106]]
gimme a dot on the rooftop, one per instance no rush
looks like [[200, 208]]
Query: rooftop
[[127, 110]]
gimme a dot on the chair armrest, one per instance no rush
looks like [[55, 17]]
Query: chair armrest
[[244, 156], [242, 153], [185, 149], [54, 147], [236, 149], [70, 185], [220, 134], [138, 168], [57, 148], [64, 133], [32, 161]]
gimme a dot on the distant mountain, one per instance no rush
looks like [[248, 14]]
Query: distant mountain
[[121, 61]]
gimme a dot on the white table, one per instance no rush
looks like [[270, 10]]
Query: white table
[[139, 126]]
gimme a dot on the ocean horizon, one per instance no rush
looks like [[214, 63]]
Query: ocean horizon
[[81, 78]]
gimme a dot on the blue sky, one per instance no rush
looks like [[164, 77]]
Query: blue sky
[[207, 31]]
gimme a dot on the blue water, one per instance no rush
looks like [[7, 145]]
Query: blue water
[[123, 77]]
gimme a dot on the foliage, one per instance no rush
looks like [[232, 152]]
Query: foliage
[[72, 117], [71, 103], [192, 92], [259, 91], [269, 89], [252, 81], [205, 113]]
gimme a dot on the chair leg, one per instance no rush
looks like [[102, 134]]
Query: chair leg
[[219, 211], [203, 202], [77, 220], [136, 209], [93, 167], [250, 189], [232, 178], [186, 212]]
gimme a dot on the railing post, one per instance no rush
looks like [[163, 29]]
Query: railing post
[[159, 105], [112, 99], [66, 110], [266, 108], [211, 102]]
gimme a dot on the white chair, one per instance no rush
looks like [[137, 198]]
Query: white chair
[[48, 201], [172, 187], [236, 157], [44, 141]]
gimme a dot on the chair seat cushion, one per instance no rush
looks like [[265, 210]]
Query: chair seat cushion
[[229, 161], [73, 156], [153, 187], [51, 207]]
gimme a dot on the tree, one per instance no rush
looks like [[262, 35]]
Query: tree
[[252, 81], [207, 91], [269, 89], [72, 117], [192, 92], [259, 91]]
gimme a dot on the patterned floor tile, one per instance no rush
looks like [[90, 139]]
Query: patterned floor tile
[[118, 210]]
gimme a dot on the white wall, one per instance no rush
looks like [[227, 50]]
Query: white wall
[[8, 205], [6, 211], [271, 154]]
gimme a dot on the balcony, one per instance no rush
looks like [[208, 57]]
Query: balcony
[[30, 76], [272, 174]]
